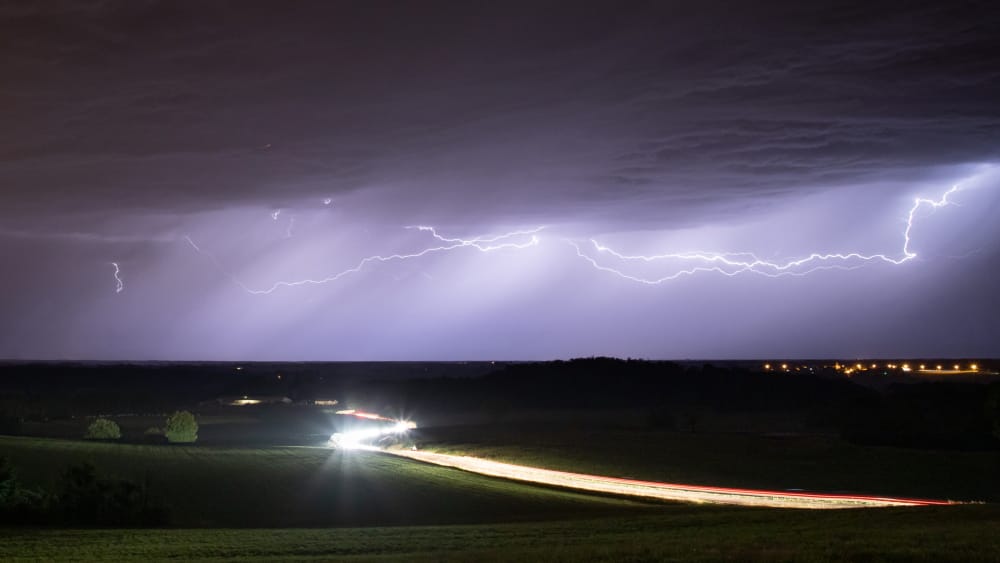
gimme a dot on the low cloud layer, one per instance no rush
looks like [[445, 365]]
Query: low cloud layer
[[133, 128]]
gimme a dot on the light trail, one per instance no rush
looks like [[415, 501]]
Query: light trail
[[365, 415], [736, 263], [360, 439], [513, 240], [119, 285], [656, 490]]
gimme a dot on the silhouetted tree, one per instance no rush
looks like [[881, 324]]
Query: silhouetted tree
[[103, 429], [181, 428], [19, 504], [86, 500]]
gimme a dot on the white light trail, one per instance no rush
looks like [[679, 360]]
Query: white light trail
[[653, 489], [735, 263], [360, 439], [119, 285]]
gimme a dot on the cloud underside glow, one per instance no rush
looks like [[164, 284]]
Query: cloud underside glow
[[787, 282], [635, 267], [183, 180]]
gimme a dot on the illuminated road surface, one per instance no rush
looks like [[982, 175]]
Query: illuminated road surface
[[652, 489]]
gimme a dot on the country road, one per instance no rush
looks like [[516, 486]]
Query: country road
[[656, 490]]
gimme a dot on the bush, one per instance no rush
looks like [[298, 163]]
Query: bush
[[181, 428], [85, 499], [20, 505], [103, 429]]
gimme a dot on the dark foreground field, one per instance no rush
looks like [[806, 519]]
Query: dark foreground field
[[288, 503], [690, 533], [781, 461], [301, 486]]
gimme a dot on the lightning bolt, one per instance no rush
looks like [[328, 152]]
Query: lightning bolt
[[736, 263], [483, 244], [119, 285], [510, 240], [215, 261]]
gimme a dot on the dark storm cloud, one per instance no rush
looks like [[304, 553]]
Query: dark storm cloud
[[540, 109], [155, 143]]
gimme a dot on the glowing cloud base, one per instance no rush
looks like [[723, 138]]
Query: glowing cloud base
[[735, 263], [623, 265]]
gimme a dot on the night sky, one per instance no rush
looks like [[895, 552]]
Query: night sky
[[648, 179]]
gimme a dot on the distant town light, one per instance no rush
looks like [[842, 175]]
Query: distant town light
[[973, 367]]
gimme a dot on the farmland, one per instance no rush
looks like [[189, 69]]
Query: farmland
[[296, 486], [962, 533], [808, 462]]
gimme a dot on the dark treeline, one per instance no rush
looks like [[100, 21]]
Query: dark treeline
[[47, 390], [81, 498], [598, 383], [932, 415], [964, 415]]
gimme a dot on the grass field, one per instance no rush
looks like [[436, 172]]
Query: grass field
[[962, 533], [818, 463], [310, 502], [291, 487]]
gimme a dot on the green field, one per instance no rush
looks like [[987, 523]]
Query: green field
[[961, 533], [291, 486], [290, 503], [818, 463]]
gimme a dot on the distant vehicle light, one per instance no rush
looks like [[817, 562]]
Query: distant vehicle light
[[360, 439]]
